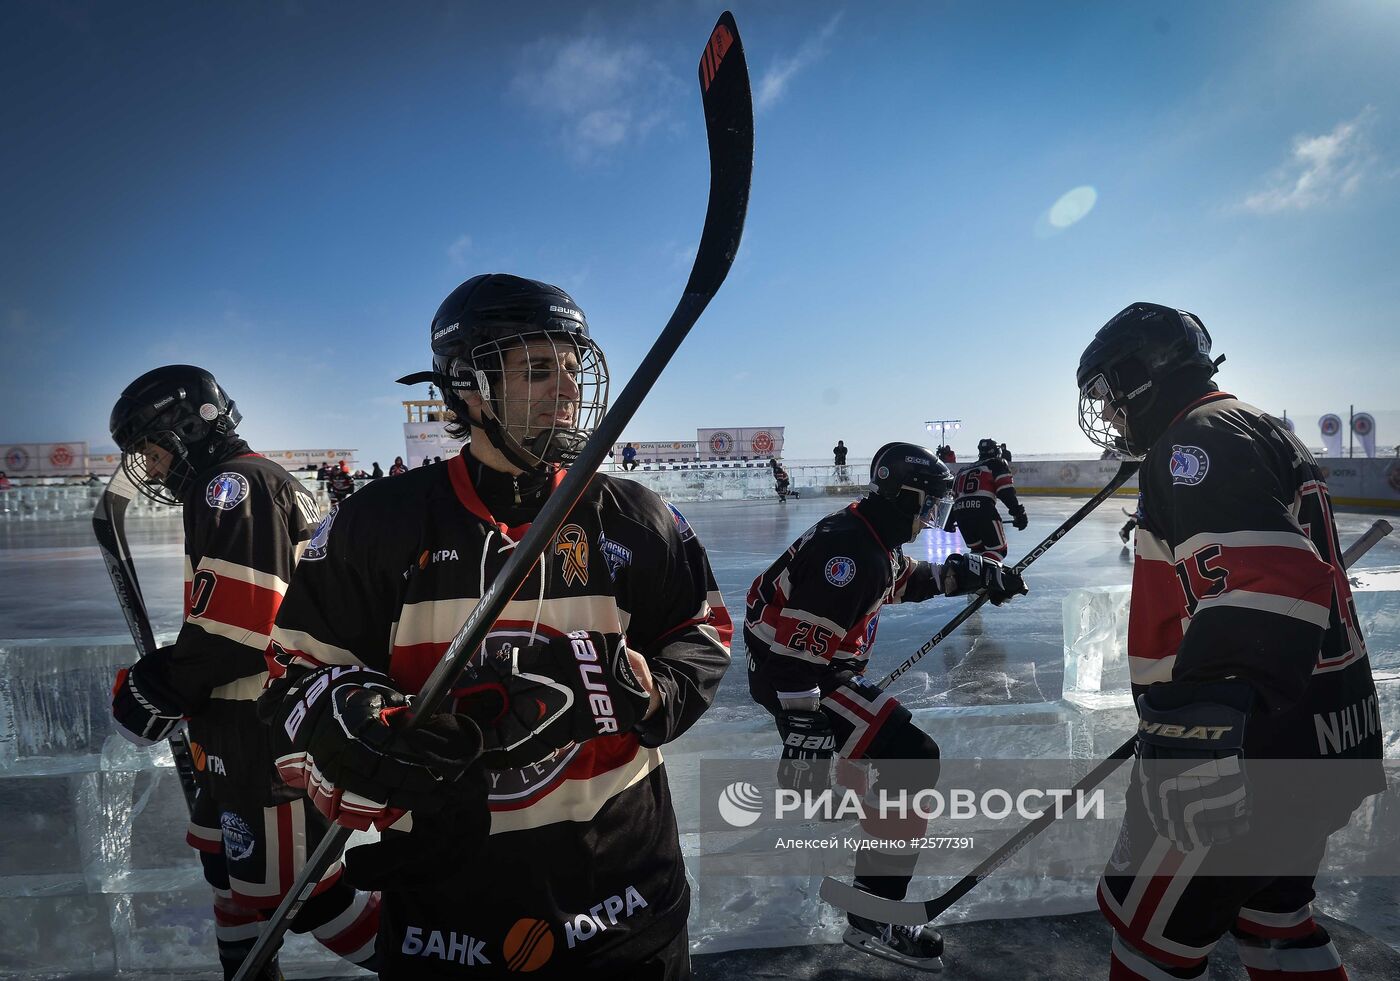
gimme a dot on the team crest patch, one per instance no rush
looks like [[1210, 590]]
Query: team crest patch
[[226, 491], [574, 548], [316, 548], [682, 525], [238, 837], [1189, 465], [840, 570], [615, 554]]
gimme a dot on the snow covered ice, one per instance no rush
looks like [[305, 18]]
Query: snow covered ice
[[95, 875]]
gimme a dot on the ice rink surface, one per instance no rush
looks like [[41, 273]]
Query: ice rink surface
[[53, 584], [57, 604]]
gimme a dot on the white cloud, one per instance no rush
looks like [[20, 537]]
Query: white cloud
[[603, 92], [458, 251], [1319, 169], [774, 82]]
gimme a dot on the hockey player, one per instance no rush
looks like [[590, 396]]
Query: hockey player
[[1134, 519], [811, 619], [613, 647], [246, 521], [782, 483], [975, 510], [340, 484], [1244, 646]]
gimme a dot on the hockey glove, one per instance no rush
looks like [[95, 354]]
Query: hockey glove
[[808, 745], [1018, 517], [435, 850], [347, 748], [536, 700], [143, 704], [1189, 761], [969, 573]]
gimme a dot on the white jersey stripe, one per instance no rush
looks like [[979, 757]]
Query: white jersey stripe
[[1313, 613]]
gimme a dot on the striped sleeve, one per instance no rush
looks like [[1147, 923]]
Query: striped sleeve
[[241, 545], [333, 613]]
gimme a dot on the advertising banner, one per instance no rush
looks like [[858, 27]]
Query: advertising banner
[[677, 451], [44, 459], [748, 442], [426, 441], [301, 459], [1363, 424], [1331, 427]]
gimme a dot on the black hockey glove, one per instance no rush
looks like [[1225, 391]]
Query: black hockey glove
[[969, 573], [1190, 761], [143, 704], [1018, 517], [439, 847], [808, 745], [347, 748], [533, 701]]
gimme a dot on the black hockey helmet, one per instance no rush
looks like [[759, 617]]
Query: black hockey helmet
[[1121, 370], [178, 409], [914, 480], [988, 448], [471, 331]]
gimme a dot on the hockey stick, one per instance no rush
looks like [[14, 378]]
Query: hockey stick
[[1378, 530], [728, 104], [1125, 470], [905, 913], [109, 525]]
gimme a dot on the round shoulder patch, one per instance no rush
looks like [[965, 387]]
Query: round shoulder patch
[[1189, 465], [840, 570], [682, 525], [226, 491], [316, 548]]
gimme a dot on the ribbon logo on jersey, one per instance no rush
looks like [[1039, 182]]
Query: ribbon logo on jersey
[[1189, 465], [572, 545]]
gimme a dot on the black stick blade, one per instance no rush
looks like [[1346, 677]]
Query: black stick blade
[[728, 102]]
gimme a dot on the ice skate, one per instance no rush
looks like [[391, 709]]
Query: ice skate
[[919, 947]]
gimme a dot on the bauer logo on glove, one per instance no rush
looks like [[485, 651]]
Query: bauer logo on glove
[[534, 695]]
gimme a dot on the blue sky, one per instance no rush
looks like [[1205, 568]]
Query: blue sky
[[948, 200]]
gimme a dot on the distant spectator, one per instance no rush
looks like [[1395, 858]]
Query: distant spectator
[[425, 462], [838, 455], [360, 474], [340, 485], [1005, 453], [437, 459], [4, 481], [629, 457], [375, 473], [92, 480], [324, 473], [397, 467], [945, 453]]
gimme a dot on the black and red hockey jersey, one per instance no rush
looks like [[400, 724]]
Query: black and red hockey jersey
[[981, 484], [1238, 574], [583, 869], [246, 521], [811, 618]]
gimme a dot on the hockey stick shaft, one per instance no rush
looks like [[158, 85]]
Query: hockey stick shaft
[[728, 103], [1125, 471], [847, 897], [109, 527]]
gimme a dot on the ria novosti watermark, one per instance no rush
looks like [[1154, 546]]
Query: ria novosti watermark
[[741, 804]]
